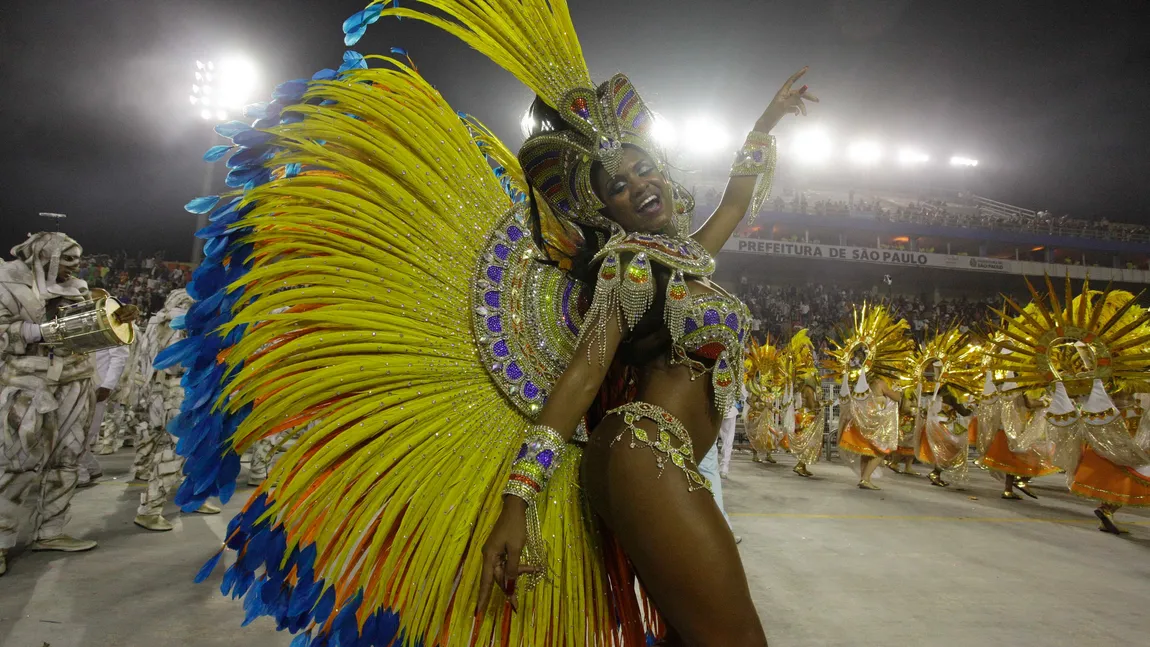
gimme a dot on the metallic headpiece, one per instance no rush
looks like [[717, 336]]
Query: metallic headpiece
[[558, 164], [543, 52]]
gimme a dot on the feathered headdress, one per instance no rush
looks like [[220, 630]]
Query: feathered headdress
[[535, 41]]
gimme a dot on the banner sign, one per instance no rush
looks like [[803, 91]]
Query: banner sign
[[923, 259]]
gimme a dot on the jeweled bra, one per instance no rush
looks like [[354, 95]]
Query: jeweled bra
[[711, 325], [527, 326]]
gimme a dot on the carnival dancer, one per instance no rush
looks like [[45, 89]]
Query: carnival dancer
[[1102, 442], [805, 440], [942, 366], [875, 350], [119, 421], [438, 372], [762, 386], [44, 393], [1013, 438], [904, 452], [109, 369], [165, 394]]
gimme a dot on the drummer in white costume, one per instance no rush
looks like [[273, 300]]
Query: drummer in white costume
[[45, 394]]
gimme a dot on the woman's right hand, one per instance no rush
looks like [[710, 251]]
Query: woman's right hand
[[501, 552]]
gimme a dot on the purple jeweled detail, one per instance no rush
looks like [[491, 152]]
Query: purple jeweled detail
[[757, 156], [530, 391], [544, 458], [690, 326], [514, 233], [710, 317], [491, 298], [502, 251], [500, 348], [722, 364], [494, 324], [522, 451], [732, 321], [740, 334], [495, 273], [567, 307], [514, 372]]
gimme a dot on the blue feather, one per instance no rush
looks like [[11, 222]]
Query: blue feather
[[290, 90], [215, 153], [202, 205], [302, 640], [326, 74], [210, 566], [324, 606], [252, 138], [232, 128], [353, 60]]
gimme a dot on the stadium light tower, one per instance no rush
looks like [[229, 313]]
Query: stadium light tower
[[219, 92], [705, 136], [959, 160], [664, 132], [865, 153], [912, 157], [812, 146]]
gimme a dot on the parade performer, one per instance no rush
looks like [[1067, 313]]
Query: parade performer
[[942, 367], [434, 329], [165, 395], [904, 452], [805, 439], [1092, 348], [761, 368], [44, 393], [1017, 444], [870, 356], [119, 420], [109, 371]]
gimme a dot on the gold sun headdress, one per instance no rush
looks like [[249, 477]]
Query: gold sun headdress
[[883, 341], [801, 351], [535, 41], [952, 359], [1091, 335]]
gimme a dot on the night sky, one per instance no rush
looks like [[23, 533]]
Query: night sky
[[1052, 97]]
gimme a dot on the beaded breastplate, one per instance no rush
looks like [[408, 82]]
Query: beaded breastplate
[[712, 325]]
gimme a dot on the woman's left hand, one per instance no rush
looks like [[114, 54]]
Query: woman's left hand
[[787, 100]]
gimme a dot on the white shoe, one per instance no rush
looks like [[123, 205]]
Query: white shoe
[[154, 522], [722, 475], [3, 561], [207, 508], [64, 544], [738, 540], [254, 482]]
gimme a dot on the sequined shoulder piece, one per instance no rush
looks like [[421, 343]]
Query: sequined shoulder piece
[[683, 254], [525, 320]]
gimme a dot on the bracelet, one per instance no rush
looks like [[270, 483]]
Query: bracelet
[[530, 471], [757, 157], [535, 463]]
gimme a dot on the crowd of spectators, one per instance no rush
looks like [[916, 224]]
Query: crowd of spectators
[[142, 281], [968, 215], [779, 311]]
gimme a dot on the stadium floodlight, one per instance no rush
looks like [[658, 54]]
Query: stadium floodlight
[[236, 80], [910, 157], [664, 132], [703, 135], [958, 160], [812, 146], [226, 87], [865, 153]]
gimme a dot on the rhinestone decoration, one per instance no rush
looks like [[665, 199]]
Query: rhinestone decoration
[[524, 319]]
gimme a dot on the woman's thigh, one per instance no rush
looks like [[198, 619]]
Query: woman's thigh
[[678, 541]]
